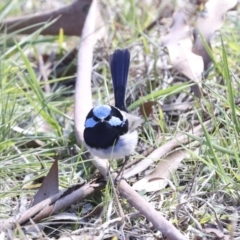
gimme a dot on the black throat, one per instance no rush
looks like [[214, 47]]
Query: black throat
[[103, 135]]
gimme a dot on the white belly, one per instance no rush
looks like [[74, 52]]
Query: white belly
[[124, 147]]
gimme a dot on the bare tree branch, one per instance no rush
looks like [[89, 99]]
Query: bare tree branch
[[152, 215], [51, 205], [70, 18], [83, 92]]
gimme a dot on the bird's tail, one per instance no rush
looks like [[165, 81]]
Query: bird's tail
[[119, 65]]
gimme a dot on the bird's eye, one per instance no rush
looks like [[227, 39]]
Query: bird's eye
[[96, 119], [107, 118]]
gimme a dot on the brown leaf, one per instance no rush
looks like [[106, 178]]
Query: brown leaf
[[207, 23], [159, 178], [49, 186], [179, 44], [146, 108], [165, 149], [219, 235]]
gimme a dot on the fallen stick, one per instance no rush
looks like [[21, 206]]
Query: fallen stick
[[70, 18], [51, 205]]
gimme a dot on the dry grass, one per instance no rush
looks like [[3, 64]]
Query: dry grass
[[203, 194]]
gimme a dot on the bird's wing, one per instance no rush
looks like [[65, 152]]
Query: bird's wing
[[133, 122]]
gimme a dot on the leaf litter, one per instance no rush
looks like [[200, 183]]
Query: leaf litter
[[179, 44]]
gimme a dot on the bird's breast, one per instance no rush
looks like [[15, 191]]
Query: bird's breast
[[102, 135]]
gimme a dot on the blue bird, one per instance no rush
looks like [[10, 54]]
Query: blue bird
[[110, 132]]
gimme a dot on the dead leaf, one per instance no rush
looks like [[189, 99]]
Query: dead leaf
[[159, 178], [49, 186], [165, 149], [219, 235], [209, 21], [146, 109], [179, 44]]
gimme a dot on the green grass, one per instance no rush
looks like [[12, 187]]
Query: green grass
[[206, 184]]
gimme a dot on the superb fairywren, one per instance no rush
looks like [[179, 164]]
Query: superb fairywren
[[110, 132]]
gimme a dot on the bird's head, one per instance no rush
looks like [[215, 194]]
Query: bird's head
[[105, 114]]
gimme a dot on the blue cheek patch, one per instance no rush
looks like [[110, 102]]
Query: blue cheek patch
[[114, 121], [90, 122], [102, 111]]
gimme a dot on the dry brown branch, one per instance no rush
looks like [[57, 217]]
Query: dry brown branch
[[51, 205], [70, 18], [83, 93], [155, 217]]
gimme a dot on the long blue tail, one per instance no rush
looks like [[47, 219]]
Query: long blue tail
[[119, 65]]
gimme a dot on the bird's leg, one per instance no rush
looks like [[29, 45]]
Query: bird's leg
[[120, 173]]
